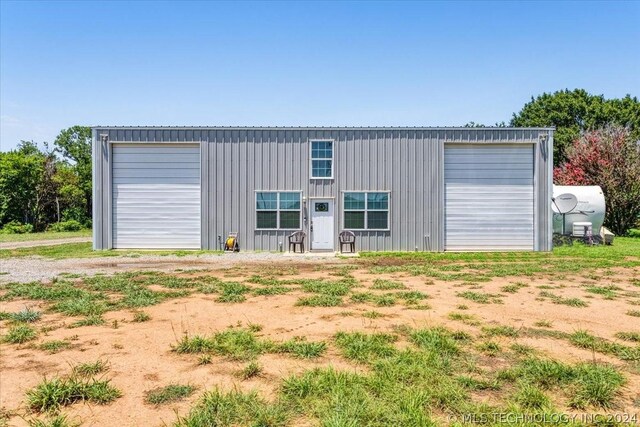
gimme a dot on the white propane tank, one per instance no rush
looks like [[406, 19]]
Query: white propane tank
[[590, 207]]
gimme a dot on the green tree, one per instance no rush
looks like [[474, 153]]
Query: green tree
[[577, 111], [74, 144]]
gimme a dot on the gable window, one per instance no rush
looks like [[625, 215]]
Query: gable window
[[366, 211], [321, 159], [278, 210]]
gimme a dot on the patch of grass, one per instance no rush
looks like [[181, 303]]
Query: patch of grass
[[331, 288], [51, 395], [272, 290], [557, 299], [232, 292], [204, 359], [20, 334], [522, 349], [462, 307], [251, 370], [480, 297], [372, 314], [468, 319], [92, 320], [170, 393], [437, 339], [54, 346], [26, 315], [587, 384], [504, 331], [234, 408], [141, 316], [384, 300], [629, 336], [489, 348], [54, 421], [362, 347], [385, 285], [543, 323], [512, 288], [234, 343], [320, 301], [583, 339], [531, 398], [91, 369], [606, 291], [634, 313], [300, 347], [47, 235]]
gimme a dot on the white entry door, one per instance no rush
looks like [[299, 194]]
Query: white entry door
[[322, 224]]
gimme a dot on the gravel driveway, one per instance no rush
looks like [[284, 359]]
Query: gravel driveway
[[28, 269]]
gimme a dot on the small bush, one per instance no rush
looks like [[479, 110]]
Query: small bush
[[71, 225], [170, 393], [26, 316], [16, 227]]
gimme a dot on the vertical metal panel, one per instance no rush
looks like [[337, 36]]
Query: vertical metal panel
[[236, 162]]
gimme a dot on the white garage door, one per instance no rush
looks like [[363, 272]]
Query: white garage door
[[488, 197], [156, 196]]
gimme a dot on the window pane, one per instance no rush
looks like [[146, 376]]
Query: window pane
[[321, 150], [354, 220], [354, 201], [377, 200], [289, 200], [267, 219], [290, 219], [321, 168], [377, 220], [267, 201]]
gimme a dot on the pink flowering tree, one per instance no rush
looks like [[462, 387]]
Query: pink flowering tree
[[608, 157]]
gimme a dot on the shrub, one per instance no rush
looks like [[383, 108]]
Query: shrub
[[16, 227], [71, 225]]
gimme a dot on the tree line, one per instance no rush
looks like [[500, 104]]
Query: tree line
[[596, 142]]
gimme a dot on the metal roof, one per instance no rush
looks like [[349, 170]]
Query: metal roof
[[325, 127]]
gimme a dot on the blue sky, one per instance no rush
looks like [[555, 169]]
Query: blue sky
[[343, 64]]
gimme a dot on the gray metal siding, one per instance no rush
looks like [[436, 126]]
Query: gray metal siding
[[408, 162], [489, 197]]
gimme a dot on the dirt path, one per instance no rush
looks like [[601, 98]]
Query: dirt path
[[51, 242]]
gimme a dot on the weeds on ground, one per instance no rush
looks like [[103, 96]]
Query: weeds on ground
[[629, 336], [170, 393], [54, 421], [583, 339], [480, 297], [634, 313], [54, 346], [20, 334], [300, 347], [141, 316], [543, 323], [384, 285], [556, 299], [91, 369], [362, 347], [468, 319], [26, 315], [51, 395], [504, 331], [251, 370], [320, 301]]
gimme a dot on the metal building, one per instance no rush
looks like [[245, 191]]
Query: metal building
[[397, 189]]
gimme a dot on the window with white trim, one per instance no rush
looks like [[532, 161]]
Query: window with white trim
[[366, 210], [321, 159], [278, 210]]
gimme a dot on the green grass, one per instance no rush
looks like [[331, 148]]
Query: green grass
[[362, 347], [54, 346], [234, 408], [20, 334], [629, 336], [504, 331], [385, 285], [167, 394], [232, 292], [331, 288], [588, 384], [530, 397], [320, 301], [557, 299], [47, 235], [608, 292], [300, 347], [583, 339], [512, 288], [90, 369], [53, 421], [26, 316], [51, 395], [468, 319], [251, 370], [489, 348], [141, 316], [480, 297]]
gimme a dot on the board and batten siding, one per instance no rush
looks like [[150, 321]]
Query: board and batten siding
[[407, 162]]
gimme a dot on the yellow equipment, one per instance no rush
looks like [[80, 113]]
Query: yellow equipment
[[231, 244]]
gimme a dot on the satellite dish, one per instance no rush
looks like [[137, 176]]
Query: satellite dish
[[565, 203]]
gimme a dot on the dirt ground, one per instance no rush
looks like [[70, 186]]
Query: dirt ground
[[140, 356]]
